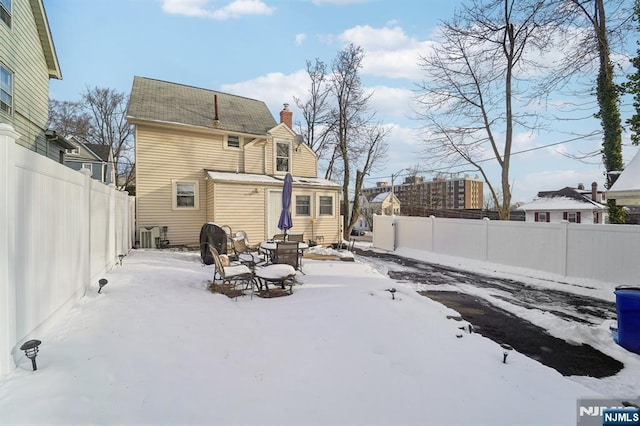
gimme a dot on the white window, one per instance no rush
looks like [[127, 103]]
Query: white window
[[6, 90], [5, 12], [325, 205], [185, 195], [303, 205], [88, 166], [283, 156], [233, 141]]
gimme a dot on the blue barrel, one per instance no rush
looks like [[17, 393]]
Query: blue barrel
[[628, 308]]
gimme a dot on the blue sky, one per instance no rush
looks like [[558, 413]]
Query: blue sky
[[259, 49]]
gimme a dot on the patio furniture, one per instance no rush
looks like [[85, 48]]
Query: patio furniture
[[245, 254], [279, 237], [282, 274], [212, 235], [243, 236], [270, 249], [296, 237], [227, 230], [287, 252], [232, 274]]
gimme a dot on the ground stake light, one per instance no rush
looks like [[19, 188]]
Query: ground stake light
[[505, 352], [30, 349], [102, 282], [393, 293], [120, 256]]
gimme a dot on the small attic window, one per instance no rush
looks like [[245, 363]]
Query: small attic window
[[233, 141]]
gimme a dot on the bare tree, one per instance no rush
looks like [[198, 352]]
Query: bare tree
[[316, 128], [98, 118], [468, 99], [356, 139], [593, 45], [69, 118]]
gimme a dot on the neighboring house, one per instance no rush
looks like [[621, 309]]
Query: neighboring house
[[98, 159], [27, 61], [626, 189], [206, 156], [568, 204], [385, 204], [364, 221]]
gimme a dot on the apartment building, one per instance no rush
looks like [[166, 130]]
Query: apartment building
[[438, 193]]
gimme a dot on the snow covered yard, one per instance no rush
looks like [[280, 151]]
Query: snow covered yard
[[156, 347]]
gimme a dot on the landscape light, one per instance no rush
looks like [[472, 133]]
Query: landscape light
[[102, 282], [505, 352], [393, 293], [30, 349], [120, 256]]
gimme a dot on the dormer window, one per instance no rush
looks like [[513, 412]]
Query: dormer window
[[283, 156], [233, 141], [5, 12]]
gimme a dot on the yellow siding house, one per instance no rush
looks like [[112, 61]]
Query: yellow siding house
[[206, 156]]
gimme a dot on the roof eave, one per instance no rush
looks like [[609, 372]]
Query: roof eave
[[46, 40]]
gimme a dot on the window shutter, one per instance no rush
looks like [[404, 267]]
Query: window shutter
[[578, 217], [548, 216], [536, 217], [565, 215]]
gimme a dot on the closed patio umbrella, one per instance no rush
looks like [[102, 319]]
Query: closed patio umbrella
[[285, 223]]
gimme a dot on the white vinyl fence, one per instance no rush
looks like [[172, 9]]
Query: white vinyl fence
[[602, 252], [59, 231]]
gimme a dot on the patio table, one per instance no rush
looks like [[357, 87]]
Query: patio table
[[269, 248]]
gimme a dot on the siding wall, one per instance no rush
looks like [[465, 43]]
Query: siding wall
[[164, 154], [21, 52]]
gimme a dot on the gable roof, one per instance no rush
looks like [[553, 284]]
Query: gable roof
[[44, 33], [100, 150], [161, 101], [562, 203]]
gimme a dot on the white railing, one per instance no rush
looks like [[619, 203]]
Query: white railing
[[601, 252], [59, 231]]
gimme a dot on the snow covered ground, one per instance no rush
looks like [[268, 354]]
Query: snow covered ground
[[156, 347]]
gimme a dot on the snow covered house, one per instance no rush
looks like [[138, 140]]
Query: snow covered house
[[574, 205], [385, 203], [626, 189]]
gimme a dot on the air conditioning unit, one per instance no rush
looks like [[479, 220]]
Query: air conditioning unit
[[149, 236]]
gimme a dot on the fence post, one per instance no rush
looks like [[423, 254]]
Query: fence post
[[86, 216], [8, 194]]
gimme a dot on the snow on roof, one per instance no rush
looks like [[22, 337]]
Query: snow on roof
[[629, 179], [561, 203], [379, 198], [266, 179]]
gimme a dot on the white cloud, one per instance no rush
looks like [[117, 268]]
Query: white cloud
[[337, 2], [205, 9], [300, 38], [274, 89], [389, 52], [391, 102]]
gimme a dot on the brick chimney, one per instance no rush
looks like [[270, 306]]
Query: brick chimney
[[594, 191], [286, 116]]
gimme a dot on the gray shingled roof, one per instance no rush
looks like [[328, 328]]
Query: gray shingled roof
[[157, 100], [100, 150]]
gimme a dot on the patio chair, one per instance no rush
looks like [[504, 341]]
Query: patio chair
[[232, 274], [243, 236], [296, 237], [279, 237], [227, 230], [246, 254], [287, 252]]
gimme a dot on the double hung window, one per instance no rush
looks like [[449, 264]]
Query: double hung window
[[283, 160], [185, 195], [5, 12], [6, 90]]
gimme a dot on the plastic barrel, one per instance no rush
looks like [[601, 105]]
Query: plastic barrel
[[628, 308]]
